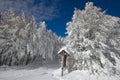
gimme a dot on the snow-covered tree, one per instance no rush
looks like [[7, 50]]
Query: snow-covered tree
[[22, 42], [48, 43], [8, 37], [93, 39]]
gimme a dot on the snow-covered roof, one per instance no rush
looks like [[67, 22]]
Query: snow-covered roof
[[64, 49]]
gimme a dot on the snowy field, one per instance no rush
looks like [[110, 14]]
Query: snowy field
[[36, 74], [41, 73], [51, 72], [83, 75]]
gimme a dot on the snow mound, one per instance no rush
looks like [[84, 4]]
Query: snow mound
[[83, 75]]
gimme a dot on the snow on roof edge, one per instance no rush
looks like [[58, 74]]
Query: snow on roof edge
[[64, 48]]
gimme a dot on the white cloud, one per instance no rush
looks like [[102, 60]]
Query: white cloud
[[44, 10]]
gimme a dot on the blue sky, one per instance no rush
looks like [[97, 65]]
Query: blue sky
[[57, 13]]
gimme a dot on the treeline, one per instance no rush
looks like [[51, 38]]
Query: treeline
[[23, 41]]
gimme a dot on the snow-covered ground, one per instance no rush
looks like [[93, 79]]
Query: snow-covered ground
[[49, 72], [41, 73], [83, 75], [36, 74]]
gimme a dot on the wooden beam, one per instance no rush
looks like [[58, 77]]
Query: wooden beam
[[64, 58], [62, 71]]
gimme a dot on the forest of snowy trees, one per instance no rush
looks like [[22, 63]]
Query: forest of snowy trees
[[23, 41], [93, 41]]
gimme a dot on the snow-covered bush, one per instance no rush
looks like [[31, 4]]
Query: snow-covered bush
[[94, 41]]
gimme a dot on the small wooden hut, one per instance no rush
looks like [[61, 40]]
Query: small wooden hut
[[64, 54]]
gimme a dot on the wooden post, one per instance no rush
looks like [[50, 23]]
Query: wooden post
[[63, 63], [62, 71]]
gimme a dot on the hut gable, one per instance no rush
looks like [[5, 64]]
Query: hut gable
[[64, 51]]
